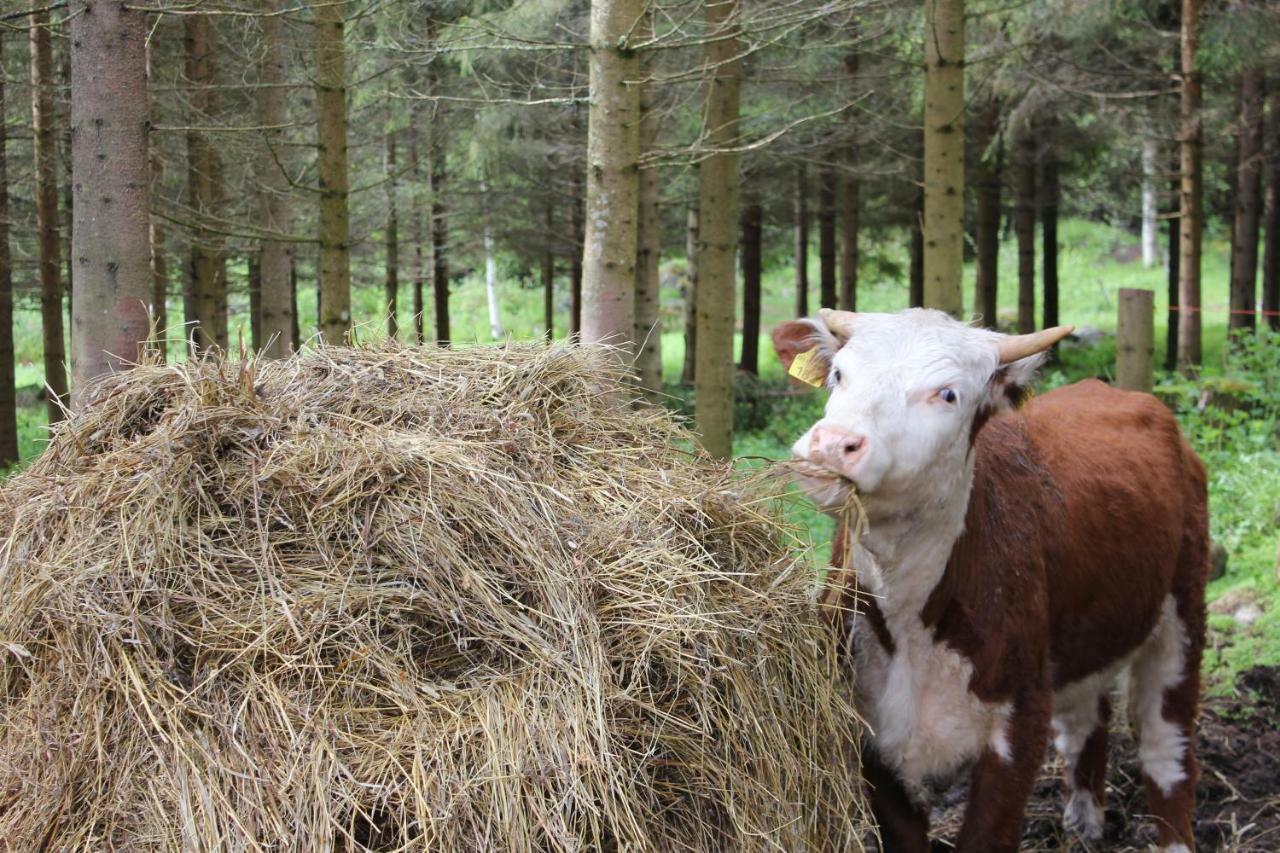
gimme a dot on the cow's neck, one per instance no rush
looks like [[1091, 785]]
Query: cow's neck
[[912, 543]]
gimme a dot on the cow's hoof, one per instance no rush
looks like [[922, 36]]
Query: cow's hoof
[[1083, 816]]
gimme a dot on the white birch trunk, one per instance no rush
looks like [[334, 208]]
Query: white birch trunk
[[1150, 249]]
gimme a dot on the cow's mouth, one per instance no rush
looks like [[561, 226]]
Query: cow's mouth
[[829, 490]]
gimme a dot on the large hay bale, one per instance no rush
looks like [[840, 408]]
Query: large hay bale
[[385, 598]]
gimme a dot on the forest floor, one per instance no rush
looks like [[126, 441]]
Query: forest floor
[[1238, 800]]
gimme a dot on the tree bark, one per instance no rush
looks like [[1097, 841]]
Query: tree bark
[[752, 266], [915, 271], [850, 202], [156, 236], [45, 169], [1244, 267], [613, 177], [331, 139], [8, 401], [439, 240], [1172, 272], [689, 371], [548, 273], [391, 279], [1190, 193], [987, 184], [1024, 225], [647, 316], [200, 297], [944, 107], [109, 323], [1150, 251], [827, 237], [276, 261], [490, 265], [575, 258], [255, 300], [801, 207], [1050, 195], [419, 236], [1271, 225], [717, 231]]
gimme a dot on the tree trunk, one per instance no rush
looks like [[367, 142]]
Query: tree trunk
[[575, 258], [1174, 263], [1150, 252], [391, 280], [548, 273], [689, 371], [613, 178], [990, 165], [1271, 226], [255, 300], [8, 401], [850, 200], [159, 259], [419, 236], [1024, 225], [109, 324], [439, 240], [915, 272], [1244, 267], [647, 333], [45, 169], [331, 139], [944, 155], [1050, 198], [1190, 193], [717, 231], [276, 263], [200, 296], [752, 264], [802, 241], [293, 295], [490, 265], [827, 237], [64, 142]]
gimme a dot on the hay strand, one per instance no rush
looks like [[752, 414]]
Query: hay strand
[[386, 599]]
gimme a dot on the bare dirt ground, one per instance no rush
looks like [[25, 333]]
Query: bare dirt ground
[[1238, 804]]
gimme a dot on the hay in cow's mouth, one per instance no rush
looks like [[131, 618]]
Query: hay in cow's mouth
[[386, 598]]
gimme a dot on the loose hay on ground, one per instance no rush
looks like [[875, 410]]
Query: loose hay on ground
[[388, 598]]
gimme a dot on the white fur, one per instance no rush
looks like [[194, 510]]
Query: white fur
[[1159, 666], [1177, 847], [1083, 815]]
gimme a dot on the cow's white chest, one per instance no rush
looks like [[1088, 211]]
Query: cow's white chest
[[926, 723]]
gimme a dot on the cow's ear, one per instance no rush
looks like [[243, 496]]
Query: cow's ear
[[1010, 385], [800, 336]]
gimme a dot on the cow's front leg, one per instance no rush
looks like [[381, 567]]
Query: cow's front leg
[[1004, 776], [903, 825]]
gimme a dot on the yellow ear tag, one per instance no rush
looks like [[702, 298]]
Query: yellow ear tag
[[808, 369]]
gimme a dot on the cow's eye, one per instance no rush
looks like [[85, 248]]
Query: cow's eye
[[836, 376], [948, 395]]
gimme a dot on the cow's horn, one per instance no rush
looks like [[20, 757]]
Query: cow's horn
[[839, 322], [1015, 347]]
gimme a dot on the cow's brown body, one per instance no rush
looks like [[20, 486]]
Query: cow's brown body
[[1083, 551]]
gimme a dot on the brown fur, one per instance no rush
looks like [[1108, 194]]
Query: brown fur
[[1088, 508]]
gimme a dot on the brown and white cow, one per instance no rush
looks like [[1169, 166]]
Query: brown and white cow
[[1016, 560]]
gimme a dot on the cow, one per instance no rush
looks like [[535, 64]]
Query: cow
[[1017, 556]]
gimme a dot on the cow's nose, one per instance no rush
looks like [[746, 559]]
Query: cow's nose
[[836, 448]]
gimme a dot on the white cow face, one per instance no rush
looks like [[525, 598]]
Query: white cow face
[[906, 391]]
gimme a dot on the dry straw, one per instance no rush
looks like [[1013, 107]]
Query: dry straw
[[406, 599]]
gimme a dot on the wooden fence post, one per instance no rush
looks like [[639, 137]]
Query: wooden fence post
[[1135, 339]]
